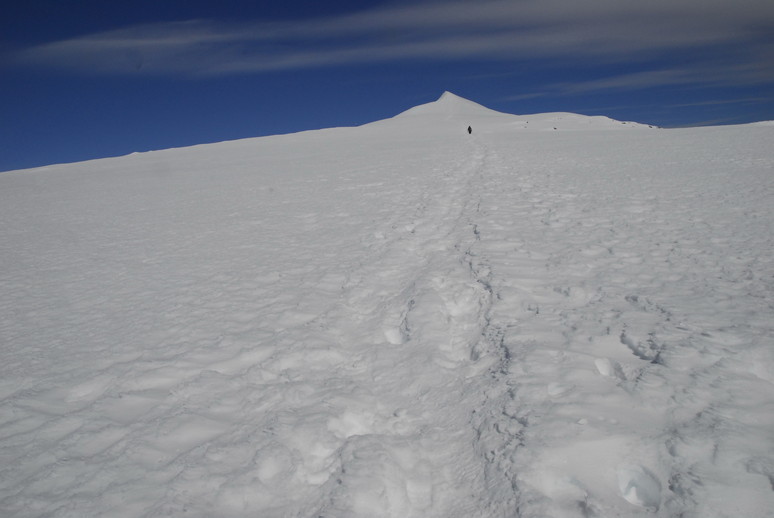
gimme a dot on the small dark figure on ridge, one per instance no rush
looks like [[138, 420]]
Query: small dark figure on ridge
[[470, 130]]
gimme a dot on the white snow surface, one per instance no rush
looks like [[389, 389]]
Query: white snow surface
[[395, 320]]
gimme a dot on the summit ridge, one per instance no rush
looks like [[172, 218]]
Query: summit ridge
[[452, 107]]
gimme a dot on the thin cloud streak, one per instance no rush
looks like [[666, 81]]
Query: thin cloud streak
[[720, 102], [599, 31], [704, 74]]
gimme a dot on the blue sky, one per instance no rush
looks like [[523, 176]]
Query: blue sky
[[91, 79]]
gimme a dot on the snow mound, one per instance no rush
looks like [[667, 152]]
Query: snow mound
[[639, 486]]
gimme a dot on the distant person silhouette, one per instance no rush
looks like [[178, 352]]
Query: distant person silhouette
[[470, 130]]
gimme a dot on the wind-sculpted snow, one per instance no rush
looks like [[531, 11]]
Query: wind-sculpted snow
[[397, 320]]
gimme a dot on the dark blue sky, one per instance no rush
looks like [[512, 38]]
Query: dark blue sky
[[90, 79]]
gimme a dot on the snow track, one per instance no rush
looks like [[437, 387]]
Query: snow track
[[431, 305], [398, 320]]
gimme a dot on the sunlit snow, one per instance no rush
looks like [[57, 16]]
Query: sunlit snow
[[556, 316]]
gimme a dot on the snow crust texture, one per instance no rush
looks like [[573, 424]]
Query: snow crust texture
[[396, 320]]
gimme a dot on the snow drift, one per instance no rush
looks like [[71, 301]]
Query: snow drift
[[399, 319]]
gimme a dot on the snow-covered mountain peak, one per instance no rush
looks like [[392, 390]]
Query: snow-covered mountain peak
[[448, 96], [453, 101], [450, 105]]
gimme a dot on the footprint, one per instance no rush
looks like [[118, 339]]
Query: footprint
[[396, 335], [606, 367], [639, 486], [396, 329], [556, 389], [649, 351], [613, 369]]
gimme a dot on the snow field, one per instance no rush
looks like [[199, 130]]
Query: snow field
[[649, 303], [395, 320]]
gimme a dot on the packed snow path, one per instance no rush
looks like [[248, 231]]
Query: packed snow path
[[396, 320]]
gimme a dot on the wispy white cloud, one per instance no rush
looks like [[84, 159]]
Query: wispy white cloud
[[721, 32], [703, 72], [524, 97], [719, 102]]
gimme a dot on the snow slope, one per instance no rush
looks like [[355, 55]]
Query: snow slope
[[395, 320]]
